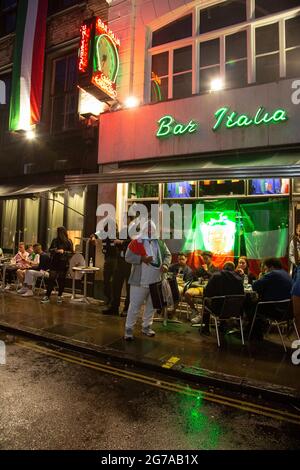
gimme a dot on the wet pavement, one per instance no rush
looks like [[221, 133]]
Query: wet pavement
[[176, 347], [48, 403]]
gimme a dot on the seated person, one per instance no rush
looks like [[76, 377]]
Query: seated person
[[33, 262], [19, 261], [204, 272], [40, 270], [243, 269], [183, 272], [1, 253], [274, 284], [225, 282]]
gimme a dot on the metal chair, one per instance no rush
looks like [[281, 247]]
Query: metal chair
[[276, 313], [232, 307]]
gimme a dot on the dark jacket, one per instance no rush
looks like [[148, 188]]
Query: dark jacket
[[44, 263], [60, 261], [201, 272], [275, 285], [224, 283], [186, 271]]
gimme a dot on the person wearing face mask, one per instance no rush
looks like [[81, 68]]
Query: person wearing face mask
[[149, 258]]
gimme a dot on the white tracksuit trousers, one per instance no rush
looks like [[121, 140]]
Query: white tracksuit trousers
[[139, 295]]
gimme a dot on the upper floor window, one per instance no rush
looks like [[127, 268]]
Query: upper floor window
[[58, 5], [174, 31], [64, 95], [268, 7], [292, 45], [8, 16], [223, 15]]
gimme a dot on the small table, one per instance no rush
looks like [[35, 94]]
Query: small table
[[85, 271]]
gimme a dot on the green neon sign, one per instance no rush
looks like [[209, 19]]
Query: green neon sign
[[230, 120], [169, 127]]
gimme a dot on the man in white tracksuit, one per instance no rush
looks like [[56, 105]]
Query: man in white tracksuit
[[149, 258]]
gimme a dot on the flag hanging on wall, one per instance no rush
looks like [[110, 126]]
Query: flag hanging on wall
[[28, 64], [266, 231]]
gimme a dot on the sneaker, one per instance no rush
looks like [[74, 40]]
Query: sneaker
[[59, 300], [148, 332], [7, 287], [45, 300], [28, 293], [128, 335], [22, 290], [123, 314], [197, 319]]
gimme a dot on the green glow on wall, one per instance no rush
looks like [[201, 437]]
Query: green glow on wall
[[168, 127], [229, 119]]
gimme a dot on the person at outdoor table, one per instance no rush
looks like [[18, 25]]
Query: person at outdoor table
[[204, 273], [182, 271], [19, 261], [40, 270], [274, 285], [294, 255], [60, 251], [243, 269], [225, 282], [33, 262], [1, 253]]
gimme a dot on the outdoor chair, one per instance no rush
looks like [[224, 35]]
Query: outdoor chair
[[42, 286], [277, 313], [231, 308]]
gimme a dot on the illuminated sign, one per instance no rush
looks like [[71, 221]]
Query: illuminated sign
[[229, 119], [168, 127], [218, 234], [98, 63]]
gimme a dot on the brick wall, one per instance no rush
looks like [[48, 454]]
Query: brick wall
[[61, 27]]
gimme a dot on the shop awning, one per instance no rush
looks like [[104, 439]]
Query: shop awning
[[15, 191], [234, 166]]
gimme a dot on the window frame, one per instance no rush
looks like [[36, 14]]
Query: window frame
[[249, 26], [3, 13]]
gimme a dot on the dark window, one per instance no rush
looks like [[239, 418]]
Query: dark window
[[159, 80], [8, 16], [174, 31], [220, 16], [292, 32], [267, 38], [207, 75], [182, 72], [64, 94], [210, 53], [182, 59], [182, 85], [267, 68], [293, 62], [142, 190], [5, 89], [221, 187], [267, 7], [58, 5], [267, 53], [236, 60]]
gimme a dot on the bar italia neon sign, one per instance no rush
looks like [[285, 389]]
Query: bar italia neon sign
[[168, 126]]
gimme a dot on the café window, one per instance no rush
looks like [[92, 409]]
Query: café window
[[75, 215], [292, 44], [267, 186], [8, 16], [267, 53], [58, 5], [269, 7], [174, 31], [221, 188], [64, 96], [142, 191], [55, 214], [223, 15], [180, 190], [9, 224], [31, 218]]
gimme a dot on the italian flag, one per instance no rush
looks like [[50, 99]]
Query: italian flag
[[28, 64], [266, 231]]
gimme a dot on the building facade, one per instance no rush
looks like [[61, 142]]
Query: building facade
[[33, 197], [218, 117]]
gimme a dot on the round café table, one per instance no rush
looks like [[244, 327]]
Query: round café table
[[85, 271]]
